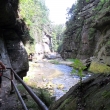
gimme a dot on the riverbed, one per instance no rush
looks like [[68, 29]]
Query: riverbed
[[55, 77], [66, 80]]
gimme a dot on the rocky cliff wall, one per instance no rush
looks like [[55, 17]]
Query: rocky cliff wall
[[88, 36], [12, 35], [88, 32], [92, 94]]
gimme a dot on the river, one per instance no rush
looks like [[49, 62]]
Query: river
[[66, 80], [45, 75]]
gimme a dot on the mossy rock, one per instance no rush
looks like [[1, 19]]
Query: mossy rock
[[98, 99], [96, 67], [68, 104], [91, 33]]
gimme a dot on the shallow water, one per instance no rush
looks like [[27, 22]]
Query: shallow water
[[67, 80], [52, 76]]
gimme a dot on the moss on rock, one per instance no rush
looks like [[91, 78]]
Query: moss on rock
[[91, 33], [96, 67], [94, 95]]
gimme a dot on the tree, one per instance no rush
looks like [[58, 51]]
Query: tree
[[57, 35], [35, 14]]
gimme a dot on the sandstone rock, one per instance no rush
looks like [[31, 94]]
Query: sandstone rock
[[91, 38], [11, 31]]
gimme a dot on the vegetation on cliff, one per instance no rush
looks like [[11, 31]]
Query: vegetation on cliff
[[87, 34], [88, 23], [57, 35], [36, 16]]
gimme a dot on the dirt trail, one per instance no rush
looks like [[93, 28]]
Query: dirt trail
[[8, 101]]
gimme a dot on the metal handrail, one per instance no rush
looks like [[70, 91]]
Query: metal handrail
[[19, 96], [32, 94]]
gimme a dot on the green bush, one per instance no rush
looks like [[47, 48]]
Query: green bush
[[77, 64], [91, 33]]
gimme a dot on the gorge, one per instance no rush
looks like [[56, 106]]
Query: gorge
[[87, 36]]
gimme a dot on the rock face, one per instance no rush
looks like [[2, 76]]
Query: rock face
[[44, 48], [93, 94], [88, 32], [12, 35], [88, 36]]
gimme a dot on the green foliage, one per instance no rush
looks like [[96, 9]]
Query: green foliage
[[26, 79], [72, 60], [108, 43], [91, 33], [77, 64], [45, 96], [78, 34], [100, 5], [32, 11], [21, 88], [60, 48], [35, 14], [57, 35], [75, 21], [87, 1], [31, 104], [102, 1], [30, 48], [106, 94], [64, 103]]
